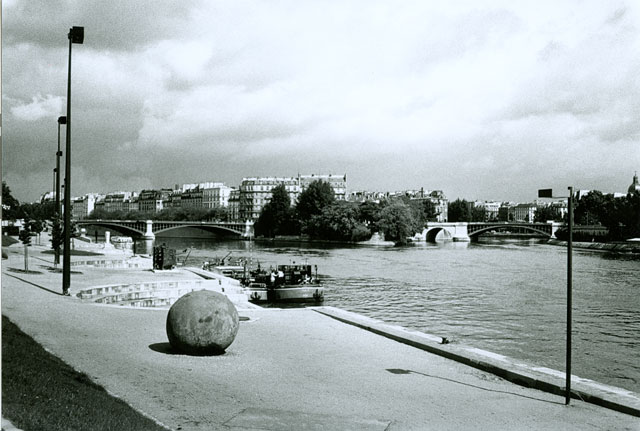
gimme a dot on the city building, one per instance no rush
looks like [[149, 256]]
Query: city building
[[491, 210], [216, 196], [506, 211], [118, 201], [523, 212], [174, 200], [365, 196], [337, 183], [151, 201], [81, 207], [191, 198], [256, 192], [234, 204], [437, 198]]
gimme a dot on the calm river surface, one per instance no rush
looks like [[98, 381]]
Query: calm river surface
[[507, 297]]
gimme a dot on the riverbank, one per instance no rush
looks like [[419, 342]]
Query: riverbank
[[617, 247], [287, 369]]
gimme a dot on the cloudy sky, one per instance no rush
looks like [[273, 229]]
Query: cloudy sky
[[480, 99]]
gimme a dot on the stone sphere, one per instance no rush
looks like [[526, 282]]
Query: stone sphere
[[202, 323]]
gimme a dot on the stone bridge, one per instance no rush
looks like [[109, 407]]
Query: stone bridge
[[464, 231], [148, 229]]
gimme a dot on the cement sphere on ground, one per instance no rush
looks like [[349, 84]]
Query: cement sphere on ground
[[202, 323]]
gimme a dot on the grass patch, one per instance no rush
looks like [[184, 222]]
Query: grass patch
[[39, 391], [8, 240], [76, 253]]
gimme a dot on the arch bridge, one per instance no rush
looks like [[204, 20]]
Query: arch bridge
[[464, 231], [148, 229]]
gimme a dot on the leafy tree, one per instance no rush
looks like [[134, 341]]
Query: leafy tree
[[369, 213], [10, 205], [276, 217], [423, 211], [39, 211], [397, 223], [478, 213], [546, 213], [591, 208], [311, 202], [25, 237], [459, 211], [339, 222], [37, 226]]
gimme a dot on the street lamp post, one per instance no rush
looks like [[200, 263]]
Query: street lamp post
[[569, 291], [61, 120], [76, 35], [547, 193]]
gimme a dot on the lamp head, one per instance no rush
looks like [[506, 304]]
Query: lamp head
[[62, 120], [76, 34]]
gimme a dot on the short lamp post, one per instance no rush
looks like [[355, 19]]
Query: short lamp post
[[547, 193], [76, 35]]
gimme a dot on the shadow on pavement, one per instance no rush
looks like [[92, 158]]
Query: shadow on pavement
[[164, 348], [36, 285], [402, 371]]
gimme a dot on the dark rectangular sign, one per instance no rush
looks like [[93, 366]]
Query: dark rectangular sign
[[545, 193]]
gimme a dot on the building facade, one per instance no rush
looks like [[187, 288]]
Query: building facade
[[152, 201], [216, 196], [234, 205], [523, 212], [337, 183], [256, 192], [191, 198], [81, 207]]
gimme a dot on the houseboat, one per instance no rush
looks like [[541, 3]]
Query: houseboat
[[285, 283]]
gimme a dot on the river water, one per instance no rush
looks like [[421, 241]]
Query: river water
[[508, 297]]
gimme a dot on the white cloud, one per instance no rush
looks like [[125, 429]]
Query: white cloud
[[40, 107], [499, 89]]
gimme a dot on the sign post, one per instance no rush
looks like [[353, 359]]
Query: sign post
[[548, 193]]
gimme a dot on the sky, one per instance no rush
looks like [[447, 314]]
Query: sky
[[487, 100]]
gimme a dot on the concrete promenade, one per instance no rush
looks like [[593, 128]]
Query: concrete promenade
[[288, 369]]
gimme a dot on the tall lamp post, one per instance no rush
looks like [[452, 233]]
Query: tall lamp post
[[76, 35], [547, 193], [61, 120]]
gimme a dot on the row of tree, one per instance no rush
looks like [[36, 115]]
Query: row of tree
[[171, 214], [621, 216], [318, 215]]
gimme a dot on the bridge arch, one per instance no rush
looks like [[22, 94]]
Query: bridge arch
[[438, 233], [215, 229], [120, 228]]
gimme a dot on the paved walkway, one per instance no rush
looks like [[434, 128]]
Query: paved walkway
[[287, 369]]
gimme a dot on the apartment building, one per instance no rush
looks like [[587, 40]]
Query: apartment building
[[81, 207], [256, 192], [152, 201], [337, 182]]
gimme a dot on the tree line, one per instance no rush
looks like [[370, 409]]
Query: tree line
[[169, 214], [621, 216], [319, 215]]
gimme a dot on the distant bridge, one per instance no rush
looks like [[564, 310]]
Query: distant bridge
[[148, 229], [464, 231]]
